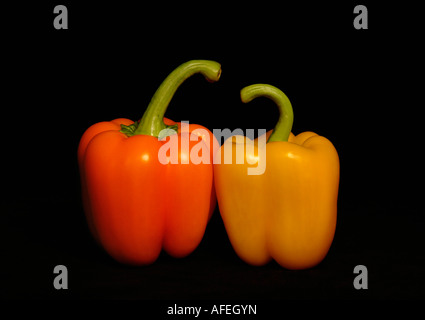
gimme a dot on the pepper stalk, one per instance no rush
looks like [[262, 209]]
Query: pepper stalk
[[283, 127], [152, 122]]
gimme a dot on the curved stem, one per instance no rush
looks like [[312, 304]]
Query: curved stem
[[152, 121], [284, 125]]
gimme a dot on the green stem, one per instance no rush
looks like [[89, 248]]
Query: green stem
[[284, 125], [152, 121]]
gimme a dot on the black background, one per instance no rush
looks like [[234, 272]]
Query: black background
[[358, 88]]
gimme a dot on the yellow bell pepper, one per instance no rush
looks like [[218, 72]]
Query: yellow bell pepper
[[289, 212]]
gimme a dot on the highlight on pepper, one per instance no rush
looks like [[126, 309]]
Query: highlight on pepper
[[288, 213]]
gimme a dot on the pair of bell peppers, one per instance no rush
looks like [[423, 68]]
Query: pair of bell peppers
[[136, 206]]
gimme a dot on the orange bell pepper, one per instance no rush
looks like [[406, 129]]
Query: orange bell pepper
[[134, 204], [289, 212]]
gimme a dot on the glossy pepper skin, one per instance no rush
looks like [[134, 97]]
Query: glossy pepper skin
[[136, 206], [289, 212]]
